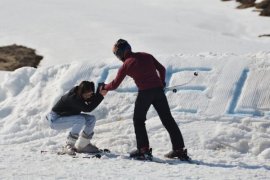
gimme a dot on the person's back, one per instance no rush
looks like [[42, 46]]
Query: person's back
[[72, 104], [142, 68]]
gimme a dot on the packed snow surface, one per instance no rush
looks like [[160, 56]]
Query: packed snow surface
[[223, 113]]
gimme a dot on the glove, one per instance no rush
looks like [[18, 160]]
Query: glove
[[102, 84], [164, 84]]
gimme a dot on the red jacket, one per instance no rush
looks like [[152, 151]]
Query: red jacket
[[142, 67]]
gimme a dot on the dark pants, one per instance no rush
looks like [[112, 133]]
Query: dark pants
[[157, 98]]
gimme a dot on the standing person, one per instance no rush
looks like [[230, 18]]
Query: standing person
[[143, 67], [67, 113]]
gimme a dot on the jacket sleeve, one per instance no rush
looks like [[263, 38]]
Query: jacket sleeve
[[161, 69], [122, 72], [87, 107], [93, 104]]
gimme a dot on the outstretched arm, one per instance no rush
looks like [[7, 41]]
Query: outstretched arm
[[118, 79]]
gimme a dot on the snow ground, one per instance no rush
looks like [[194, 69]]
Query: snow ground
[[223, 113]]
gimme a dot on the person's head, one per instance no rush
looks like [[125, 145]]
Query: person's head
[[121, 49], [86, 90]]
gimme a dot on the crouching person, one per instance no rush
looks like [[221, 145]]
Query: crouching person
[[67, 113]]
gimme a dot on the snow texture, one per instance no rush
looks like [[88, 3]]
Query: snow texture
[[223, 113], [219, 130]]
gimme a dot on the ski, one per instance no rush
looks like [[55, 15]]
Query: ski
[[168, 161], [95, 155], [79, 155], [108, 154]]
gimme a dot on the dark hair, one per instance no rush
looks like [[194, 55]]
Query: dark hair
[[85, 86], [120, 47]]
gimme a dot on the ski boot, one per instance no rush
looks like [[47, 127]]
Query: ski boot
[[89, 148], [70, 143], [83, 145], [70, 150], [142, 154], [180, 154]]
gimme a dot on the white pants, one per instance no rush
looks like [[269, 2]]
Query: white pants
[[77, 123]]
